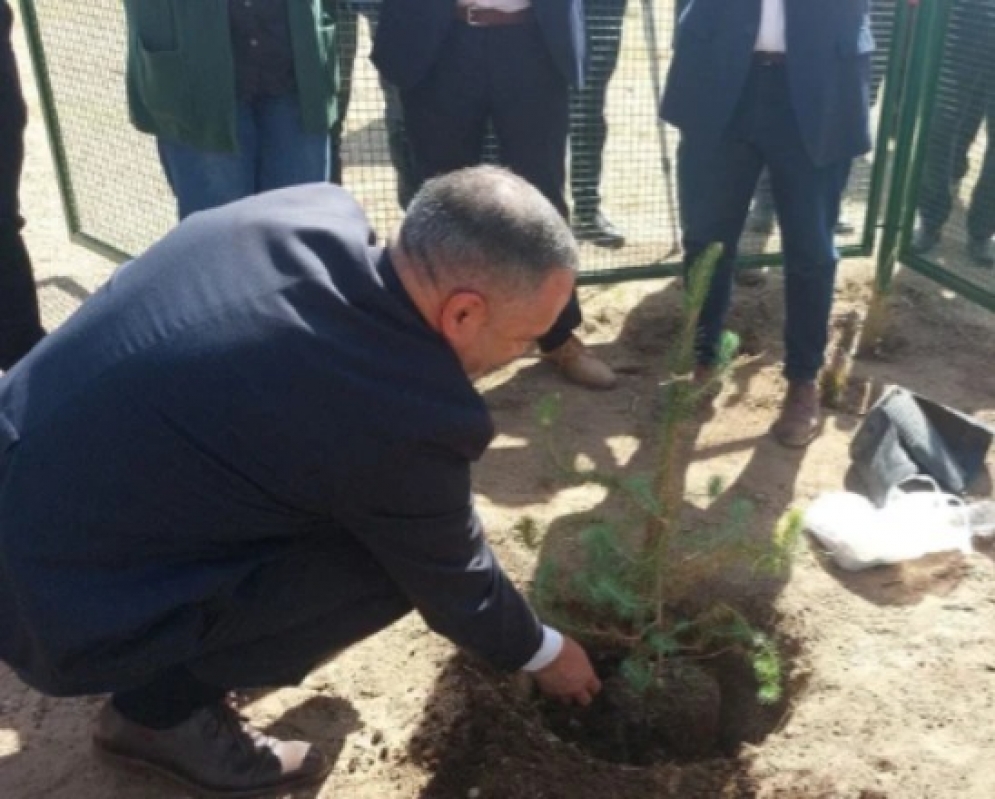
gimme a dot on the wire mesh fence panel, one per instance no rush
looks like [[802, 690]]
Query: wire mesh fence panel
[[954, 187], [112, 183], [621, 160]]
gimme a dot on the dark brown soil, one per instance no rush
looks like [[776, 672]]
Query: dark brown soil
[[677, 717], [695, 709], [501, 743]]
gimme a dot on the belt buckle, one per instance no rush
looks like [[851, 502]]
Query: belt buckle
[[471, 16]]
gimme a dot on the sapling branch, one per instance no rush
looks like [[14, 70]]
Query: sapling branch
[[633, 592]]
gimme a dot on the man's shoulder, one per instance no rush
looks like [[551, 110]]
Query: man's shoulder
[[323, 204], [313, 224]]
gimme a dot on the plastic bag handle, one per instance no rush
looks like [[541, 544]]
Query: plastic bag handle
[[895, 492]]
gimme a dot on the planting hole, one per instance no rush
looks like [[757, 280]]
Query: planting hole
[[695, 709]]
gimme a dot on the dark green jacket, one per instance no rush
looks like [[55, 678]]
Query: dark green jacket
[[181, 73]]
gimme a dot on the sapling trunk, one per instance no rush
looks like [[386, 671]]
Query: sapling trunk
[[676, 432], [637, 603]]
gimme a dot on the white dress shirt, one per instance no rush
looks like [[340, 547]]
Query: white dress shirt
[[506, 6], [549, 650], [771, 38]]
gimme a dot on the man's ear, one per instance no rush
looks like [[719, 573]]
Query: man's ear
[[462, 316]]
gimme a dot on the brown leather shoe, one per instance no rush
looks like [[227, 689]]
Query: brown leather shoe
[[214, 753], [578, 365], [799, 420]]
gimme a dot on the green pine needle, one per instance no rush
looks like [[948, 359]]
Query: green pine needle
[[767, 670], [640, 488], [663, 644], [548, 410], [638, 673], [601, 545], [609, 593], [728, 348]]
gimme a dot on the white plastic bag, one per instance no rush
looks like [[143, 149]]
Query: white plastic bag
[[910, 525]]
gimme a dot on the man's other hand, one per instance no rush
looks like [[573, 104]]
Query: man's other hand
[[569, 678]]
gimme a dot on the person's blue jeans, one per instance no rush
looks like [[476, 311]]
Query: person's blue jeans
[[274, 151], [717, 180]]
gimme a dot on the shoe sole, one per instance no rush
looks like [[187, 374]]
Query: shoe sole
[[597, 241], [795, 443], [139, 765]]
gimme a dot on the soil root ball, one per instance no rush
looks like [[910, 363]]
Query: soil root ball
[[680, 712]]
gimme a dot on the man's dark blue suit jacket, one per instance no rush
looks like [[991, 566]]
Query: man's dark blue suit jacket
[[256, 383], [410, 33], [829, 43]]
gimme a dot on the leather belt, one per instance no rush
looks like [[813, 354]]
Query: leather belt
[[769, 59], [477, 17]]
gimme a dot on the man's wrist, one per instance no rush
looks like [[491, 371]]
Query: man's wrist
[[549, 650]]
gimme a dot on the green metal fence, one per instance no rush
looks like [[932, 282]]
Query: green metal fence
[[116, 200], [940, 217]]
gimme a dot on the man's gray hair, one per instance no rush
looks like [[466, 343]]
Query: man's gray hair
[[485, 224]]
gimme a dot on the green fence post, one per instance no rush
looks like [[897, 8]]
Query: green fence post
[[926, 24], [53, 129], [891, 98]]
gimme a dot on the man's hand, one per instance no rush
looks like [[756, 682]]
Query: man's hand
[[570, 677]]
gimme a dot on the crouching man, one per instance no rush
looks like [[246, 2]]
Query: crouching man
[[251, 449]]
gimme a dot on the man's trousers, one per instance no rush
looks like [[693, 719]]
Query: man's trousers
[[717, 180], [503, 77], [588, 126], [966, 98]]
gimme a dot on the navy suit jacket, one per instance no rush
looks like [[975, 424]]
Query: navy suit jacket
[[829, 43], [410, 33], [256, 384]]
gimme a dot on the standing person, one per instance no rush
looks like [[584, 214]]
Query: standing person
[[240, 95], [781, 84], [966, 96], [286, 421], [347, 25], [588, 126], [20, 321], [461, 66]]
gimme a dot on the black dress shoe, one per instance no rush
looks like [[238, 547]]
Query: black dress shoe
[[925, 239], [981, 251], [214, 753], [599, 230]]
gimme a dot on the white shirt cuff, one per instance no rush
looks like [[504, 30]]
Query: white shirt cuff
[[552, 645]]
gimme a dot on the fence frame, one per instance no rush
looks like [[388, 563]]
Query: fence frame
[[929, 26], [908, 100], [53, 129]]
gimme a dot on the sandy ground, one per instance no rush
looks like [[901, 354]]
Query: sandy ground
[[892, 690]]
